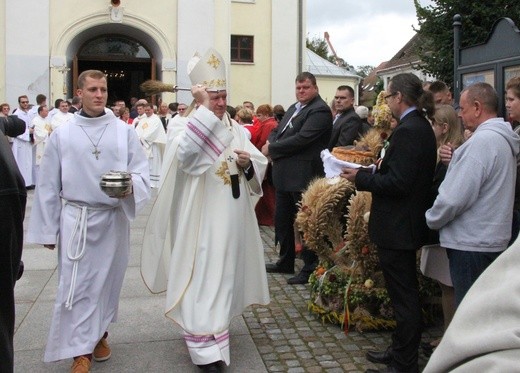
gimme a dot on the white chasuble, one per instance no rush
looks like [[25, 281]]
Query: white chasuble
[[68, 192], [42, 129], [153, 139], [201, 244]]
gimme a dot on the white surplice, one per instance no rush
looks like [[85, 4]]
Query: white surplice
[[153, 139], [201, 244], [68, 188], [42, 129], [23, 150], [60, 118]]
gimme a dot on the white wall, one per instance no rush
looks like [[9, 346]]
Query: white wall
[[195, 33], [285, 32], [27, 45]]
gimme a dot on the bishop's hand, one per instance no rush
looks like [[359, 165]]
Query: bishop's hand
[[243, 158], [200, 95]]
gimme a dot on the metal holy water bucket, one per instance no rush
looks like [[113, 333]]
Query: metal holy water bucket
[[116, 184]]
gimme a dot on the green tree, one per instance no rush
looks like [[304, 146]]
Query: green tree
[[436, 29], [364, 71], [320, 47], [379, 86]]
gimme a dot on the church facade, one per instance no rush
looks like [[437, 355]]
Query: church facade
[[47, 43]]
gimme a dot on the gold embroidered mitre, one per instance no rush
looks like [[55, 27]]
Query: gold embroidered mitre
[[208, 70]]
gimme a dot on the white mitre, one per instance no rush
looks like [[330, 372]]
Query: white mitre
[[208, 70]]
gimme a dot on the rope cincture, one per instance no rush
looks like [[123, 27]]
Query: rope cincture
[[80, 229], [81, 224]]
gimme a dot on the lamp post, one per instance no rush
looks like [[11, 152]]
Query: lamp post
[[457, 24]]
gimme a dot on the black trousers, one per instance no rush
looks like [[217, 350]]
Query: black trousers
[[284, 217], [399, 271], [12, 209]]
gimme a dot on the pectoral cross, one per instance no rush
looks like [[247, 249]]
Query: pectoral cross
[[96, 152]]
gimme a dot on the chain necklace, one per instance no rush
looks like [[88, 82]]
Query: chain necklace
[[96, 151]]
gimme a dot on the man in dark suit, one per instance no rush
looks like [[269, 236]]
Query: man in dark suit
[[397, 224], [347, 125], [76, 104], [294, 148], [12, 199]]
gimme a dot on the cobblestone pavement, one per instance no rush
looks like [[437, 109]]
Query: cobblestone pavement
[[291, 339], [287, 337]]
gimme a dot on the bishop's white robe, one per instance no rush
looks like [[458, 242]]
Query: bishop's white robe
[[23, 150], [68, 193], [202, 245], [153, 139]]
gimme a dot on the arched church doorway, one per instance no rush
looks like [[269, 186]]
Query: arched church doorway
[[126, 62]]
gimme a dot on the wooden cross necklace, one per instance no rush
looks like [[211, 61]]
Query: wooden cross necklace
[[96, 151]]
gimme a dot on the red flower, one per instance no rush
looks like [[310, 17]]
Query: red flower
[[365, 250], [384, 135]]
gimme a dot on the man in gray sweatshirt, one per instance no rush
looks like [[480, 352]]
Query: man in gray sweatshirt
[[473, 211]]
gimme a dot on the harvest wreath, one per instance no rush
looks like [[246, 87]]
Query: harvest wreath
[[348, 287]]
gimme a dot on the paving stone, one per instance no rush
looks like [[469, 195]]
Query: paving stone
[[286, 336]]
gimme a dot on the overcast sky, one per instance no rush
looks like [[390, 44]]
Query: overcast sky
[[363, 32]]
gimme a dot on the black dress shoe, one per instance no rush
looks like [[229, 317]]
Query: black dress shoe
[[427, 348], [380, 357], [214, 367], [300, 279], [384, 370], [20, 270], [275, 268]]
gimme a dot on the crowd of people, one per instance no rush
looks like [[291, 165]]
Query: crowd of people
[[447, 183]]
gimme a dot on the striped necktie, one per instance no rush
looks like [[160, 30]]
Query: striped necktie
[[336, 118], [298, 107]]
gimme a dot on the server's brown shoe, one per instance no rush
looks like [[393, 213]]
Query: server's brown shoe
[[102, 351], [81, 365]]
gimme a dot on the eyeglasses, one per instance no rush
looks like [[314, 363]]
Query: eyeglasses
[[390, 95]]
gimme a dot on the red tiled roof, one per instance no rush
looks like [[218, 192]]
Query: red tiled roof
[[407, 55]]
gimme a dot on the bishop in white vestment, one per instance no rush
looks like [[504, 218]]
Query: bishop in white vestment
[[202, 244]]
